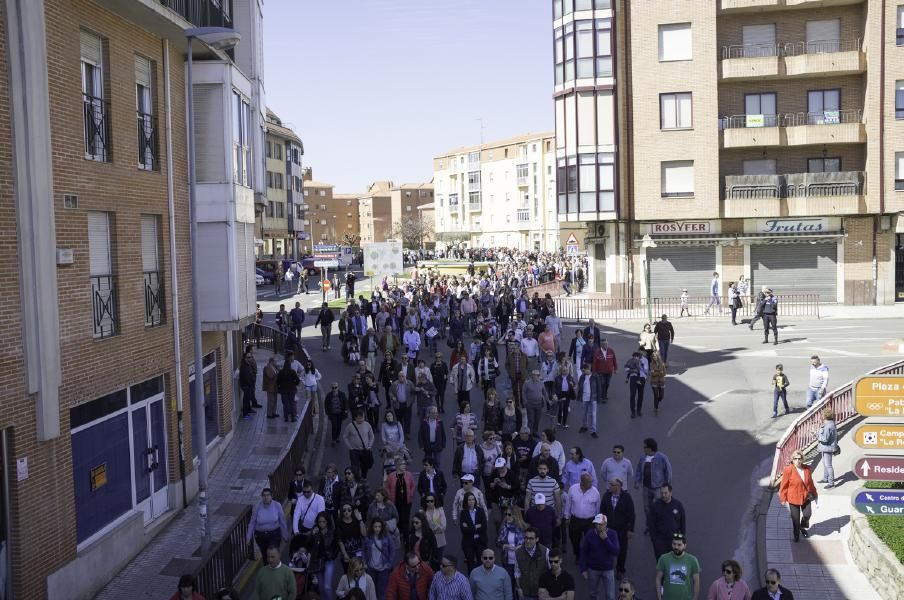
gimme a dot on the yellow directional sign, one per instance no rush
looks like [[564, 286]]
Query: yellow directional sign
[[880, 396], [880, 436]]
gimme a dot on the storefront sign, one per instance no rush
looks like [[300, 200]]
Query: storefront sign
[[682, 227], [816, 225], [98, 476]]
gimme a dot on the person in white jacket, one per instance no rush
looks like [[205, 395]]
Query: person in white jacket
[[462, 378], [819, 380], [412, 341]]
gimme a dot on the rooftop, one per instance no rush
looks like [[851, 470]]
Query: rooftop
[[527, 137]]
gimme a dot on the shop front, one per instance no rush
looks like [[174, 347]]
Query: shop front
[[679, 254]]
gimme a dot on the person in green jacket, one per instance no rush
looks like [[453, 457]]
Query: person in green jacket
[[275, 581]]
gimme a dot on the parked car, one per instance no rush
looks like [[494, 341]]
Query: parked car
[[259, 278], [262, 276]]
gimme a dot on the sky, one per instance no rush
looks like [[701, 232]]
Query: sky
[[377, 88]]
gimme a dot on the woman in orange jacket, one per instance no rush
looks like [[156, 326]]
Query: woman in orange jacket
[[798, 491]]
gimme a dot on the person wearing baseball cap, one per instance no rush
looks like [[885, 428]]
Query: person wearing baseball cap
[[467, 487], [542, 518], [599, 550], [503, 484]]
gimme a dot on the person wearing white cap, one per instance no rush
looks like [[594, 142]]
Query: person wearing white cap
[[467, 487], [542, 518], [503, 484], [599, 550]]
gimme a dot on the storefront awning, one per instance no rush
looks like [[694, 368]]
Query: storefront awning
[[729, 239]]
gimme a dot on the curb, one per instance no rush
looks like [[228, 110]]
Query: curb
[[762, 516]]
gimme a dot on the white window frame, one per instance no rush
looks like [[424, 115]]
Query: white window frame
[[677, 174], [672, 34], [674, 116]]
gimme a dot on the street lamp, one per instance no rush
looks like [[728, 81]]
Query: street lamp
[[220, 38]]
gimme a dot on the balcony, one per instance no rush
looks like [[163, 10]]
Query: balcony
[[523, 215], [793, 59], [474, 206], [793, 129], [147, 142], [153, 299], [97, 128], [105, 316], [522, 173], [202, 13], [794, 195], [726, 6]]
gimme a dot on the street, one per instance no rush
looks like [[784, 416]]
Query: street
[[714, 424]]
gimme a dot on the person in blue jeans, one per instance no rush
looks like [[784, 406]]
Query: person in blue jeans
[[779, 390], [715, 298], [599, 550]]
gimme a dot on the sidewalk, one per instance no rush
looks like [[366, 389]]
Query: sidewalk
[[820, 567], [235, 482]]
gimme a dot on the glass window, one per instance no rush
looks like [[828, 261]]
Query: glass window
[[585, 48], [899, 99], [899, 170], [242, 167], [583, 4], [604, 47], [823, 107], [677, 178], [824, 165], [587, 179], [764, 105], [569, 52], [759, 40], [759, 167], [675, 111], [675, 42]]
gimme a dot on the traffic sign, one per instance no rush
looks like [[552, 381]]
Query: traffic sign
[[880, 468], [326, 285], [572, 240], [333, 248], [879, 502], [326, 256], [329, 264], [880, 396], [880, 436]]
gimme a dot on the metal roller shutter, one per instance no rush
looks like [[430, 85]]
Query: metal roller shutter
[[675, 268], [796, 269]]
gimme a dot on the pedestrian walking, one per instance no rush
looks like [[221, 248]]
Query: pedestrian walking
[[556, 583], [359, 440], [336, 406], [270, 386], [780, 385], [653, 471], [819, 380], [463, 380], [828, 447], [310, 378], [604, 365], [275, 580], [773, 588], [770, 317], [410, 580], [734, 302], [684, 304], [296, 319], [287, 382], [599, 552], [587, 392], [489, 581], [325, 319], [472, 522], [618, 506], [247, 382], [657, 380], [268, 524], [665, 335], [636, 373], [678, 572], [731, 585], [185, 590], [798, 492], [758, 307], [581, 505], [714, 291], [667, 517], [449, 583], [534, 400], [647, 341]]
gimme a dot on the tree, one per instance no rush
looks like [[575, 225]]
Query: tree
[[453, 239], [411, 230]]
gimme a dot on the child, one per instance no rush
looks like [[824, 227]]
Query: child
[[352, 350], [779, 390], [298, 563], [684, 307]]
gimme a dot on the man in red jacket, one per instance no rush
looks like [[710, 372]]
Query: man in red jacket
[[604, 365], [411, 572]]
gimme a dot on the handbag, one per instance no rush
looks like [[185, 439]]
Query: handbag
[[837, 450]]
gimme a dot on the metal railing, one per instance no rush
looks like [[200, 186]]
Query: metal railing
[[147, 141], [105, 316], [523, 215], [226, 558], [203, 13], [791, 48], [634, 309], [295, 455], [553, 288], [803, 433], [474, 206], [824, 117], [793, 185], [153, 298], [97, 128]]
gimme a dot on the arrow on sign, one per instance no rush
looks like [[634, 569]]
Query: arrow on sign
[[868, 497], [865, 468], [870, 509]]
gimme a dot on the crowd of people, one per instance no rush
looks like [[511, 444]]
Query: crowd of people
[[486, 423]]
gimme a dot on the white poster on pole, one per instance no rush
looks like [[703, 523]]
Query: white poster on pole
[[383, 259]]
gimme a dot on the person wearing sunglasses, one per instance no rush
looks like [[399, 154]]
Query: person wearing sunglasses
[[449, 583], [730, 586], [773, 590], [489, 581], [556, 583], [410, 580], [625, 590]]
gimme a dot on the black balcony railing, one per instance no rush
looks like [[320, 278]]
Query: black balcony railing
[[824, 117], [203, 13], [794, 185], [153, 298], [147, 141], [97, 128], [791, 48], [103, 305]]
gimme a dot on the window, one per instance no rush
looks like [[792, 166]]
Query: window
[[103, 283], [150, 264], [144, 109], [604, 47], [899, 170], [473, 181], [675, 111], [823, 107], [269, 179], [675, 42], [407, 209], [759, 40], [824, 165], [348, 202], [761, 105], [307, 192], [269, 149], [900, 24], [97, 130], [408, 194], [277, 151], [323, 222], [568, 40], [759, 167], [278, 181], [280, 210], [271, 208], [241, 139], [899, 99], [585, 56], [321, 193], [321, 206], [823, 36], [677, 178], [349, 215]]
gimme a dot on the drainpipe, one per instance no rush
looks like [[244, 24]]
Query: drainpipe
[[876, 218], [174, 279], [629, 151]]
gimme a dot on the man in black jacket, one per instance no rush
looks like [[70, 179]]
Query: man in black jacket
[[247, 381], [431, 482], [325, 319], [773, 585], [667, 517], [618, 507], [439, 370], [336, 405]]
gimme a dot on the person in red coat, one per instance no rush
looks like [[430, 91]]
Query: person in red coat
[[798, 492], [603, 366], [411, 571], [399, 488]]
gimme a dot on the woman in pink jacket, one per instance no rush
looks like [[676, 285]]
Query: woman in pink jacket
[[399, 487], [730, 586]]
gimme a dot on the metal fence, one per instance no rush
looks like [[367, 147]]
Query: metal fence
[[226, 559], [791, 48], [553, 288], [634, 309], [803, 433]]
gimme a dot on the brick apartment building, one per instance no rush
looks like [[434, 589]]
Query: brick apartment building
[[754, 137], [95, 401], [329, 218], [282, 220]]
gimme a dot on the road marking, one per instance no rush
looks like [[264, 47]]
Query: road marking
[[841, 352], [698, 405], [761, 353]]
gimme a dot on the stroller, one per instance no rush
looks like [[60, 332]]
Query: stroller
[[298, 563]]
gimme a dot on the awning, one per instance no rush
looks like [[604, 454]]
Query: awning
[[729, 239]]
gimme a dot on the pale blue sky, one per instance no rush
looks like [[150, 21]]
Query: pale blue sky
[[376, 88]]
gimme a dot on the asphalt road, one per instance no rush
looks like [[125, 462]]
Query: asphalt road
[[714, 423]]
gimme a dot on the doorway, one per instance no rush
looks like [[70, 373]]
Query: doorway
[[149, 459]]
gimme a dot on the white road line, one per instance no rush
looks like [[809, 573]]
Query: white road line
[[699, 404], [837, 351]]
